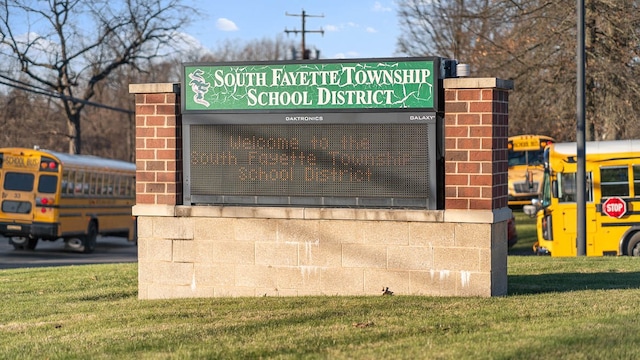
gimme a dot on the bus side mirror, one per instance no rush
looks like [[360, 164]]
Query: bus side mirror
[[554, 188], [530, 210]]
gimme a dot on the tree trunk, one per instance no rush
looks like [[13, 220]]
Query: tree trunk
[[73, 126]]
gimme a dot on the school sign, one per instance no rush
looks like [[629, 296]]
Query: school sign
[[318, 86], [354, 133]]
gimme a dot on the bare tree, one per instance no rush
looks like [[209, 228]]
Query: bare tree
[[28, 120], [459, 29], [534, 43], [264, 49], [70, 46]]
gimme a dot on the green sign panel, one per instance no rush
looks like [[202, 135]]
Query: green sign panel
[[402, 84]]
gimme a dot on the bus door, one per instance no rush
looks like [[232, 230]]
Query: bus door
[[614, 182], [46, 192], [566, 217]]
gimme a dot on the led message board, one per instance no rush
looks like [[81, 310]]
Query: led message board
[[357, 133]]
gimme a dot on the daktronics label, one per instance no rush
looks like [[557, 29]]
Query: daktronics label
[[388, 160]]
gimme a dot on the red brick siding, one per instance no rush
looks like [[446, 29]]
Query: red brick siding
[[475, 148], [158, 149]]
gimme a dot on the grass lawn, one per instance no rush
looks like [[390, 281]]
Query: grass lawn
[[578, 308], [566, 308]]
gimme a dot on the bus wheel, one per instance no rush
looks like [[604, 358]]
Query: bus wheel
[[633, 249], [23, 243], [89, 240]]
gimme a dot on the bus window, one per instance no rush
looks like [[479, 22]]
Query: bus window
[[16, 207], [86, 185], [47, 184], [129, 187], [532, 157], [116, 185], [614, 181], [93, 179], [567, 187], [536, 157], [636, 180], [517, 158], [546, 190], [99, 180], [108, 182], [589, 189], [71, 180], [79, 182], [18, 181], [65, 183]]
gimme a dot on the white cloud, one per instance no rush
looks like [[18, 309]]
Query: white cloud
[[187, 44], [371, 30], [378, 7], [353, 53], [341, 27], [226, 25], [331, 28], [349, 54], [336, 28]]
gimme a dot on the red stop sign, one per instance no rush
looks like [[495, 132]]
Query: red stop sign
[[614, 207]]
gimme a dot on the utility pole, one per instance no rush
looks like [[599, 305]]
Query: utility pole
[[304, 15], [581, 174]]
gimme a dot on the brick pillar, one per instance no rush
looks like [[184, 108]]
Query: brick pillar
[[476, 164], [158, 144]]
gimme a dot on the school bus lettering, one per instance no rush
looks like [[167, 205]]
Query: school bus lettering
[[526, 144], [21, 162]]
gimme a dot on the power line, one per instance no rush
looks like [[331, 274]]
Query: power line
[[40, 91]]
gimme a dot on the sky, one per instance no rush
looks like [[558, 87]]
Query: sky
[[352, 28]]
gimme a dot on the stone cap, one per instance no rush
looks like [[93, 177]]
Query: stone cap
[[477, 83], [457, 216], [154, 88]]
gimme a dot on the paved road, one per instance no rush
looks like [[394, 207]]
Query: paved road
[[53, 253]]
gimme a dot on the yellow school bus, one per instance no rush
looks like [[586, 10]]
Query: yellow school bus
[[47, 195], [525, 167], [612, 200]]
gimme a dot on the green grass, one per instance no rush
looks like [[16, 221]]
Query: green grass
[[569, 308]]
